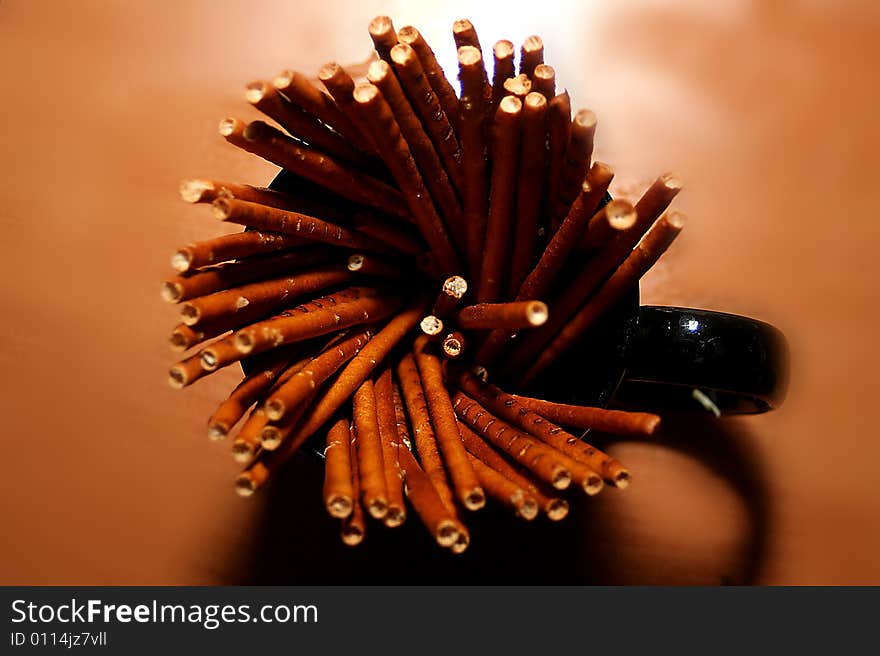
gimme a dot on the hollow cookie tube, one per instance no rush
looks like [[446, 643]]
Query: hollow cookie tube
[[464, 480], [347, 382], [391, 447], [338, 492], [371, 469]]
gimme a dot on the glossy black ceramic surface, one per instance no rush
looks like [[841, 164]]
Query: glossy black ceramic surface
[[739, 364]]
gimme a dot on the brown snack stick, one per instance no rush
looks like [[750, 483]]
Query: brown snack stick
[[607, 224], [232, 129], [186, 372], [390, 441], [554, 507], [648, 209], [432, 326], [474, 165], [503, 53], [403, 237], [463, 540], [358, 369], [258, 298], [424, 154], [400, 416], [234, 274], [504, 490], [263, 140], [654, 202], [601, 265], [374, 494], [451, 292], [398, 157], [530, 345], [464, 34], [274, 433], [519, 86], [558, 251], [508, 408], [315, 202], [433, 72], [285, 330], [435, 515], [248, 440], [183, 337], [384, 37], [464, 481], [302, 93], [643, 257], [558, 133], [575, 164], [375, 266], [593, 189], [425, 441], [555, 255], [296, 390], [582, 474], [544, 81], [502, 196], [354, 527], [340, 85], [507, 316], [427, 106], [531, 54], [246, 443], [424, 437], [194, 190], [615, 422], [454, 344], [338, 491], [293, 223], [231, 247], [302, 125], [218, 354], [354, 373], [529, 193], [245, 394], [213, 358], [474, 79], [543, 461]]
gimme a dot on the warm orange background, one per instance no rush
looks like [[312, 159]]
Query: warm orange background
[[767, 109]]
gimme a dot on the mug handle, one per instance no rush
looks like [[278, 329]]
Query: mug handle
[[690, 359]]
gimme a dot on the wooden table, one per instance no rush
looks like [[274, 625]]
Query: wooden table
[[763, 109]]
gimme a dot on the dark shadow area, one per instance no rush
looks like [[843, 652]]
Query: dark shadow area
[[299, 544], [725, 448]]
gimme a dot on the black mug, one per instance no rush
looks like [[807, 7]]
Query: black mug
[[664, 358], [656, 357]]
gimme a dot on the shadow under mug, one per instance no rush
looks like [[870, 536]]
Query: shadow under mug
[[656, 357]]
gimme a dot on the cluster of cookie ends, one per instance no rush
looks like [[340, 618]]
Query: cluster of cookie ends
[[423, 259]]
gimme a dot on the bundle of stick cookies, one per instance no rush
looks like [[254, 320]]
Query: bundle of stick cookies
[[431, 246]]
